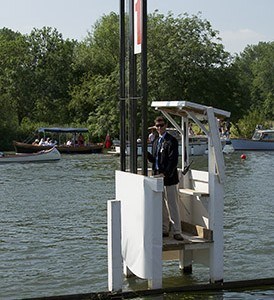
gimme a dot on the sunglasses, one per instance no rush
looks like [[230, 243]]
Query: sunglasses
[[160, 125]]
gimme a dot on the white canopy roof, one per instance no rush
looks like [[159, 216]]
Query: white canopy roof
[[179, 108]]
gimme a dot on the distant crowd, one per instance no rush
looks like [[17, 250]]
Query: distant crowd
[[80, 141], [45, 142]]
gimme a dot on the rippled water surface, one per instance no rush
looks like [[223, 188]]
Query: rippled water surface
[[53, 234]]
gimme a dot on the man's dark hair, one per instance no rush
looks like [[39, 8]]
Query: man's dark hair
[[160, 119]]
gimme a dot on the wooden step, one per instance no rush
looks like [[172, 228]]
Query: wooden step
[[189, 242], [193, 192]]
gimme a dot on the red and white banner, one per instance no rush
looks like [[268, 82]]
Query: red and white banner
[[137, 26]]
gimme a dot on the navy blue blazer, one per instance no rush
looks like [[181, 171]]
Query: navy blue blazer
[[167, 158]]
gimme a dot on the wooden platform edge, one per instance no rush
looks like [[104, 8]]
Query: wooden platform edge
[[197, 230], [222, 286]]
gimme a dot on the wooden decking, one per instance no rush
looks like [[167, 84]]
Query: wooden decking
[[195, 237], [189, 242]]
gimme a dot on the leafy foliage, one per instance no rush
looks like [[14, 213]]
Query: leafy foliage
[[45, 79], [255, 70], [183, 55], [245, 127], [51, 63]]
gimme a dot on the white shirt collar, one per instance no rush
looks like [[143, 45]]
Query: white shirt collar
[[162, 136]]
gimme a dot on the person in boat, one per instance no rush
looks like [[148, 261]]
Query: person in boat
[[42, 142], [220, 127], [164, 159], [190, 130], [36, 142], [47, 142], [81, 140], [227, 128], [152, 135], [265, 136]]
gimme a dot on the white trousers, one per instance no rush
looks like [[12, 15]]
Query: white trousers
[[171, 209]]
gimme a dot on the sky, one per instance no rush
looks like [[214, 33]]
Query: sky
[[239, 22]]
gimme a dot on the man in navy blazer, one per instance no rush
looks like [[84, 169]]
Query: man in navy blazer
[[164, 159]]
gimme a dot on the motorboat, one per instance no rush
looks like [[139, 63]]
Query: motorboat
[[42, 156], [61, 136], [198, 144], [262, 140]]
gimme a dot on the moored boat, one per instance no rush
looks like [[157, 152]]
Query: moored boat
[[64, 149], [198, 145], [42, 156], [262, 140], [61, 144]]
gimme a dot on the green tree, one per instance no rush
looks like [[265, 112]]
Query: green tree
[[94, 99], [14, 78], [95, 102], [246, 125], [255, 72], [98, 54], [52, 66], [186, 60]]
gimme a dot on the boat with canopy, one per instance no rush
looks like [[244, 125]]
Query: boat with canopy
[[59, 138]]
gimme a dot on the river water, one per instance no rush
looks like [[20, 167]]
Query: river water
[[53, 234]]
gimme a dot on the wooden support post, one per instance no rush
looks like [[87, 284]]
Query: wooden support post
[[185, 257], [216, 146], [216, 191], [115, 265], [155, 283], [216, 224]]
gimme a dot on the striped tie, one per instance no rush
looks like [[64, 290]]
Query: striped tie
[[159, 144]]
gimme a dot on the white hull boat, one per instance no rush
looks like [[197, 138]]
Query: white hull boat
[[42, 156], [197, 147], [198, 144], [262, 140]]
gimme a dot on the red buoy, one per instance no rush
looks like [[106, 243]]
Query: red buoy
[[243, 156]]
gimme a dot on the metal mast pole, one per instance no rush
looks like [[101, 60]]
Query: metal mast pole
[[122, 88], [132, 92], [144, 87]]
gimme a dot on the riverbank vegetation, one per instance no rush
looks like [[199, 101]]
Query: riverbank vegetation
[[46, 80]]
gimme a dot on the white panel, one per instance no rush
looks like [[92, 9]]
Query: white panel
[[141, 211], [199, 175], [115, 265]]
